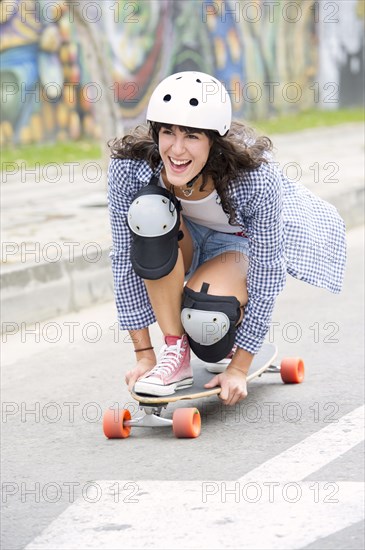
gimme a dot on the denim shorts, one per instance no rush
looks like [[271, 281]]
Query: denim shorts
[[208, 244]]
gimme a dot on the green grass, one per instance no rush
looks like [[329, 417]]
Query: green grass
[[71, 151], [307, 119], [88, 150]]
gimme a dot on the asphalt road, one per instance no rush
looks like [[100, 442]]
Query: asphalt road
[[58, 379]]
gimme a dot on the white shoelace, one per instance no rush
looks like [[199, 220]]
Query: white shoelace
[[168, 360]]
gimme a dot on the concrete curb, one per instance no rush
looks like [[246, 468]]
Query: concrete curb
[[38, 292], [32, 293]]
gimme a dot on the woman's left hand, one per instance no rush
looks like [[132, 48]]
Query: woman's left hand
[[233, 384]]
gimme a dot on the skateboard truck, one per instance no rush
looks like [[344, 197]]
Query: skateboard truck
[[186, 422], [151, 419]]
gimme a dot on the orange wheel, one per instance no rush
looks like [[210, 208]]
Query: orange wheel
[[113, 424], [292, 370], [186, 422]]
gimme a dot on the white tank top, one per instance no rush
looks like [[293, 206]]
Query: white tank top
[[207, 212]]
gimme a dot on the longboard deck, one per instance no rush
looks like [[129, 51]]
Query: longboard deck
[[260, 363]]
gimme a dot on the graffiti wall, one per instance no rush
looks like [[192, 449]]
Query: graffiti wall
[[273, 56]]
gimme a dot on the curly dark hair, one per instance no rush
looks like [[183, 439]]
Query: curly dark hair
[[240, 149]]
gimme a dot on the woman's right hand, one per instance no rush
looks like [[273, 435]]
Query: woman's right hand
[[144, 365]]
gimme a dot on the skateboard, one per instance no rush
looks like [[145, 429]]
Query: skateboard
[[186, 422]]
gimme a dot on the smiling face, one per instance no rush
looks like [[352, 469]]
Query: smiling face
[[183, 153]]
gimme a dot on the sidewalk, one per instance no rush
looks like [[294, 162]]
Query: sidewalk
[[55, 226]]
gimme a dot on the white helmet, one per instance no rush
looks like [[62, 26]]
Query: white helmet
[[152, 216], [192, 99]]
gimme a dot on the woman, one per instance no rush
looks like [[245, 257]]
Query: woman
[[196, 197]]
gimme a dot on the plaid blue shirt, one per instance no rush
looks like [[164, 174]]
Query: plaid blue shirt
[[290, 230]]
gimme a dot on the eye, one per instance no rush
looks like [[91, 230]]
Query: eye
[[193, 136]]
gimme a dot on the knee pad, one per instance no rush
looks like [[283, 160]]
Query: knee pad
[[154, 221], [210, 323]]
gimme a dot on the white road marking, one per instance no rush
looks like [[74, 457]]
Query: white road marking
[[171, 514], [268, 508], [315, 451]]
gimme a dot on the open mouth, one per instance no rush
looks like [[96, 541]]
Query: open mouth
[[179, 165]]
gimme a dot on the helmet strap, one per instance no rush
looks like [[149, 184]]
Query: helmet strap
[[192, 181], [189, 191]]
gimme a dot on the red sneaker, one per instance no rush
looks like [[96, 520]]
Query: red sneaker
[[172, 371]]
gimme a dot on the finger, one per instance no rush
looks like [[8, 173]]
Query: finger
[[231, 395], [133, 379], [237, 397], [224, 394], [232, 400], [130, 375], [131, 383], [212, 383]]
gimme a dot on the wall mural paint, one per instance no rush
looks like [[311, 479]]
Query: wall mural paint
[[40, 75], [267, 54]]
